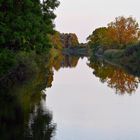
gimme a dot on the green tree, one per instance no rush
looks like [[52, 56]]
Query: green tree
[[98, 38], [26, 24]]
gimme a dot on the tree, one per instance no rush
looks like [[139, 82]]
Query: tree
[[26, 24], [99, 38], [123, 31], [69, 40], [119, 34]]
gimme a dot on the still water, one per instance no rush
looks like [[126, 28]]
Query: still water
[[87, 107], [71, 98]]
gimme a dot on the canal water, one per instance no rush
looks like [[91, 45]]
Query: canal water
[[71, 98], [94, 103]]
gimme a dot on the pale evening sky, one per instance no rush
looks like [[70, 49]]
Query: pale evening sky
[[83, 16]]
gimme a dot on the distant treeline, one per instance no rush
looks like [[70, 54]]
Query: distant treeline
[[64, 40]]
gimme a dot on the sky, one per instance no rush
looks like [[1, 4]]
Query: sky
[[84, 16]]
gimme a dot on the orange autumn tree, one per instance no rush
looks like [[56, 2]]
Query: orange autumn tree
[[123, 32]]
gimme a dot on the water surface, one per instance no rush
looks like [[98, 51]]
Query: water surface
[[84, 108], [70, 98]]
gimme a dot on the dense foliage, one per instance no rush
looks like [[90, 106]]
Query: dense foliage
[[98, 38], [25, 25]]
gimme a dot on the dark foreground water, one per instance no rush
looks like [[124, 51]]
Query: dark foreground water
[[75, 100]]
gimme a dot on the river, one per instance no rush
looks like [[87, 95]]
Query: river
[[84, 108], [72, 98]]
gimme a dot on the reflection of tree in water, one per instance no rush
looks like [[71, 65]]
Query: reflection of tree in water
[[116, 78], [40, 125], [70, 61], [17, 124], [22, 116], [64, 61], [122, 82]]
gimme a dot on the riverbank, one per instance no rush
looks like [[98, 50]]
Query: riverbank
[[20, 65], [127, 58]]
